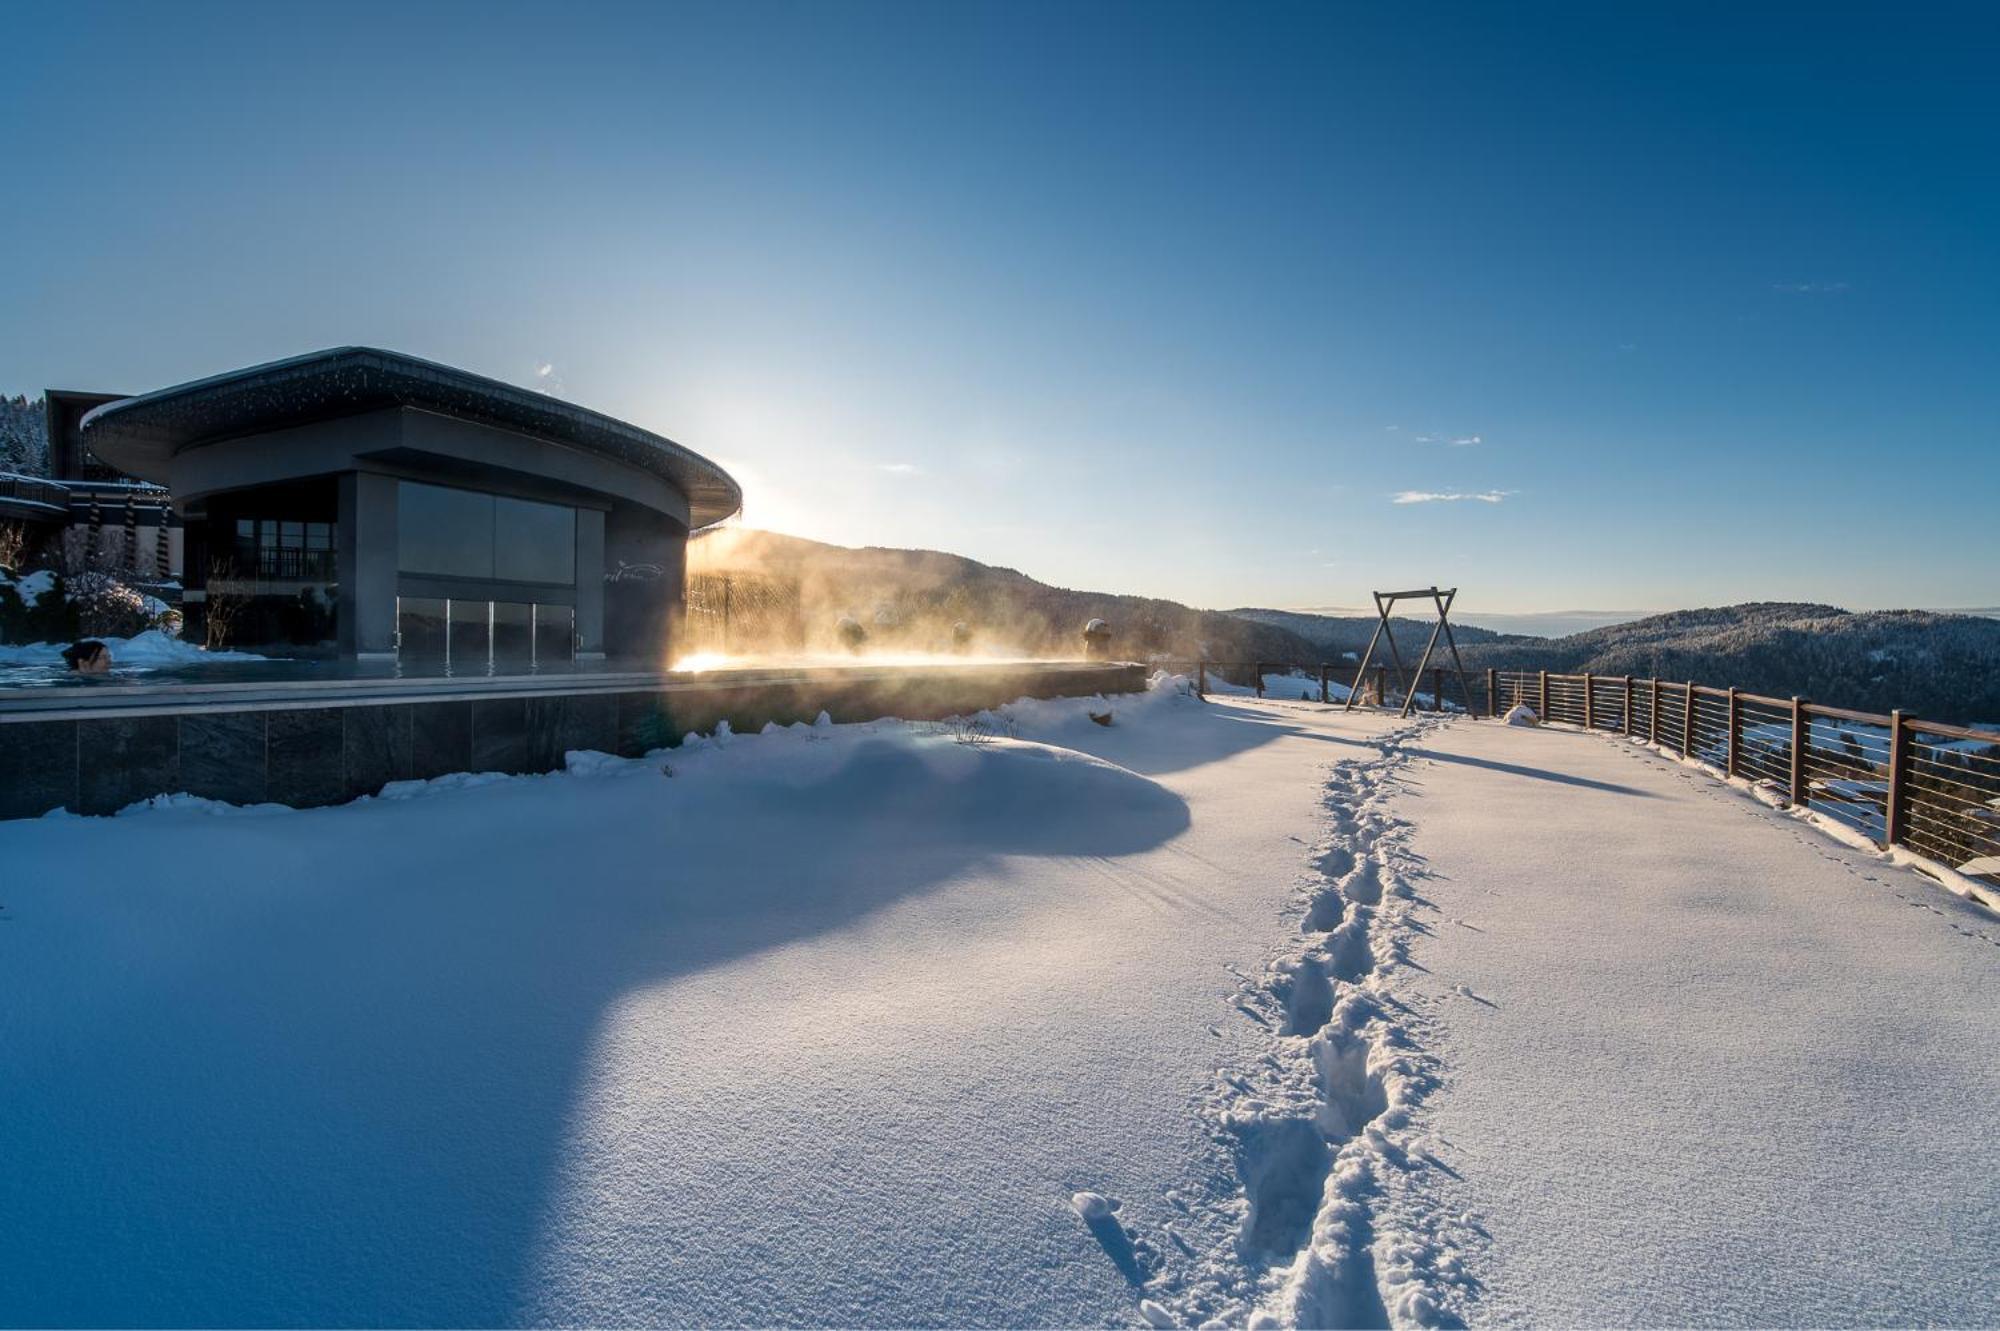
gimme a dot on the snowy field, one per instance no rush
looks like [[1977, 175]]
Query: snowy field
[[1251, 1011]]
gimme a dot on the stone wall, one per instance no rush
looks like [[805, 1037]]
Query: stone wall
[[97, 760]]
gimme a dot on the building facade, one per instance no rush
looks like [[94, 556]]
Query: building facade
[[363, 503], [109, 522]]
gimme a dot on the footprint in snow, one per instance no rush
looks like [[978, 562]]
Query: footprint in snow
[[1091, 1205]]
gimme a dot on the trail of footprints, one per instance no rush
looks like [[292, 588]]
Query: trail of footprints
[[1320, 1114]]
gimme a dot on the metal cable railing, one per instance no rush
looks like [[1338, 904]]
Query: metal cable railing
[[1931, 788]]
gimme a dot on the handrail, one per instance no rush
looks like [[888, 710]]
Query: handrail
[[1899, 780]]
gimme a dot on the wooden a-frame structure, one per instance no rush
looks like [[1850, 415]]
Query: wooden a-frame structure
[[1385, 602]]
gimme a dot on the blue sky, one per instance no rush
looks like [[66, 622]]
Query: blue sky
[[1688, 306]]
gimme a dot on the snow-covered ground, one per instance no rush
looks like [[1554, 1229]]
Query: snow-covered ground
[[149, 650], [1706, 1064], [1243, 1010]]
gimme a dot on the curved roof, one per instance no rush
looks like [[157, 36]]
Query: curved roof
[[141, 434]]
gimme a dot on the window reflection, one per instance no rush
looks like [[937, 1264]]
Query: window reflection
[[445, 532], [277, 550], [420, 628], [471, 637], [555, 634], [513, 634], [484, 637]]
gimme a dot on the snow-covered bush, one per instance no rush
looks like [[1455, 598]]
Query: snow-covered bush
[[108, 608], [35, 607]]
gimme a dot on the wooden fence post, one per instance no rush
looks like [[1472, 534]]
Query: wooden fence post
[[1628, 707], [1898, 805], [1589, 701], [1653, 714], [1257, 669], [1687, 723], [1492, 693], [1735, 729], [1201, 679], [1322, 681], [1798, 781], [1437, 690], [1542, 703]]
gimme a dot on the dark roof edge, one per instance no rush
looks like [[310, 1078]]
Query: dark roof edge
[[528, 400]]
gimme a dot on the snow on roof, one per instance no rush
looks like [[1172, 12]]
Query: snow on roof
[[140, 434]]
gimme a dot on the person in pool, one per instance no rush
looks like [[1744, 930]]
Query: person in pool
[[88, 657]]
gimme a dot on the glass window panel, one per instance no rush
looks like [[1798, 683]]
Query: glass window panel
[[471, 637], [292, 535], [319, 536], [444, 532], [534, 542], [555, 634], [420, 628], [513, 633], [246, 530]]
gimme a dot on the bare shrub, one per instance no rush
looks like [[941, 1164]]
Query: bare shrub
[[972, 730], [224, 605]]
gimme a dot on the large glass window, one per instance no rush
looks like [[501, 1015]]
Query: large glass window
[[280, 550], [444, 532], [534, 542], [451, 533]]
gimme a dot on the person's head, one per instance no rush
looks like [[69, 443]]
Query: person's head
[[88, 657]]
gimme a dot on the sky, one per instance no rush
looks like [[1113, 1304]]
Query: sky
[[1604, 306]]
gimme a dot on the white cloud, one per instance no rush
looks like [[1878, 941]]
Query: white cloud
[[901, 468], [1449, 496], [1467, 441], [1810, 288], [544, 370]]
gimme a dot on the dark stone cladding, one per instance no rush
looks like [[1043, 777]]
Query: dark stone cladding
[[310, 755]]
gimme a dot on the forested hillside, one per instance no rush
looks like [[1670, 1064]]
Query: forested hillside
[[23, 429], [783, 593], [1333, 636], [1939, 666]]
